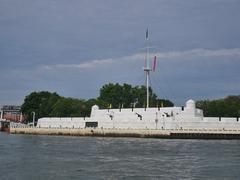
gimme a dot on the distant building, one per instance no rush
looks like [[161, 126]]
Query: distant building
[[12, 113]]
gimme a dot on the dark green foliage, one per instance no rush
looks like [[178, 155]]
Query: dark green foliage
[[227, 107], [116, 95], [39, 102], [46, 104], [68, 107]]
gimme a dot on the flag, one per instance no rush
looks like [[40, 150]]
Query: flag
[[154, 63], [147, 34]]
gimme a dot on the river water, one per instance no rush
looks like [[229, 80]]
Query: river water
[[57, 157]]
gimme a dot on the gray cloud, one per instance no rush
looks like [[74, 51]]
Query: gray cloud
[[74, 47]]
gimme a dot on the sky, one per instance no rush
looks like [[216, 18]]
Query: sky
[[74, 47]]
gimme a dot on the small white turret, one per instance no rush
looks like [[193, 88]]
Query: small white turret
[[190, 104], [94, 109]]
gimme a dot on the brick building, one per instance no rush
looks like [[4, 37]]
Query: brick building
[[12, 113]]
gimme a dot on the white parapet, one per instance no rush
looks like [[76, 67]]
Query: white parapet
[[188, 117]]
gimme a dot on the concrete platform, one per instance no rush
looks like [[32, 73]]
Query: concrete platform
[[141, 133]]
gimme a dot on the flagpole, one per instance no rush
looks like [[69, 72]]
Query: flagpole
[[147, 69]]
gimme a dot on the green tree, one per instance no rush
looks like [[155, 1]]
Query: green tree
[[227, 107], [68, 107], [39, 102], [127, 96], [46, 104]]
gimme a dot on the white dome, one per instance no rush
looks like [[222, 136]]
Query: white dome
[[190, 104], [95, 107]]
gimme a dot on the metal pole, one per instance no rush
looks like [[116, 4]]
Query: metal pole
[[156, 120], [163, 122], [147, 69], [33, 118], [147, 89], [2, 114], [21, 117]]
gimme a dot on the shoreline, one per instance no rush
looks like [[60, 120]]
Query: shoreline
[[138, 133]]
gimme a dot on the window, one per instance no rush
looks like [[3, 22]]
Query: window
[[91, 124]]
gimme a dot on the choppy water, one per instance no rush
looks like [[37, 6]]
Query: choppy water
[[54, 157]]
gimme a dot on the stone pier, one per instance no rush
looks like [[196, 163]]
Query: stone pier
[[141, 133]]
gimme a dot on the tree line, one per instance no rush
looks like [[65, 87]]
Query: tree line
[[226, 107], [47, 104]]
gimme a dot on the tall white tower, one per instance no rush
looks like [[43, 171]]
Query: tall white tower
[[147, 69]]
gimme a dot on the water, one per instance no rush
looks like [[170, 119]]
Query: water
[[55, 157]]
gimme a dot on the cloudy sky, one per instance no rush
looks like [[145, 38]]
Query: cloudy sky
[[73, 47]]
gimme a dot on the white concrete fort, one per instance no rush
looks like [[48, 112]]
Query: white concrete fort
[[164, 118], [188, 117]]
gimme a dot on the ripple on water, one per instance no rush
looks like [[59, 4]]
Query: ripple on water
[[53, 157]]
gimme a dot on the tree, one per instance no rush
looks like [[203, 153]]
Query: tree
[[39, 102], [68, 107], [91, 102], [116, 95], [227, 107], [46, 104]]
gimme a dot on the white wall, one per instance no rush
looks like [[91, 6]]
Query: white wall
[[58, 122], [152, 118]]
